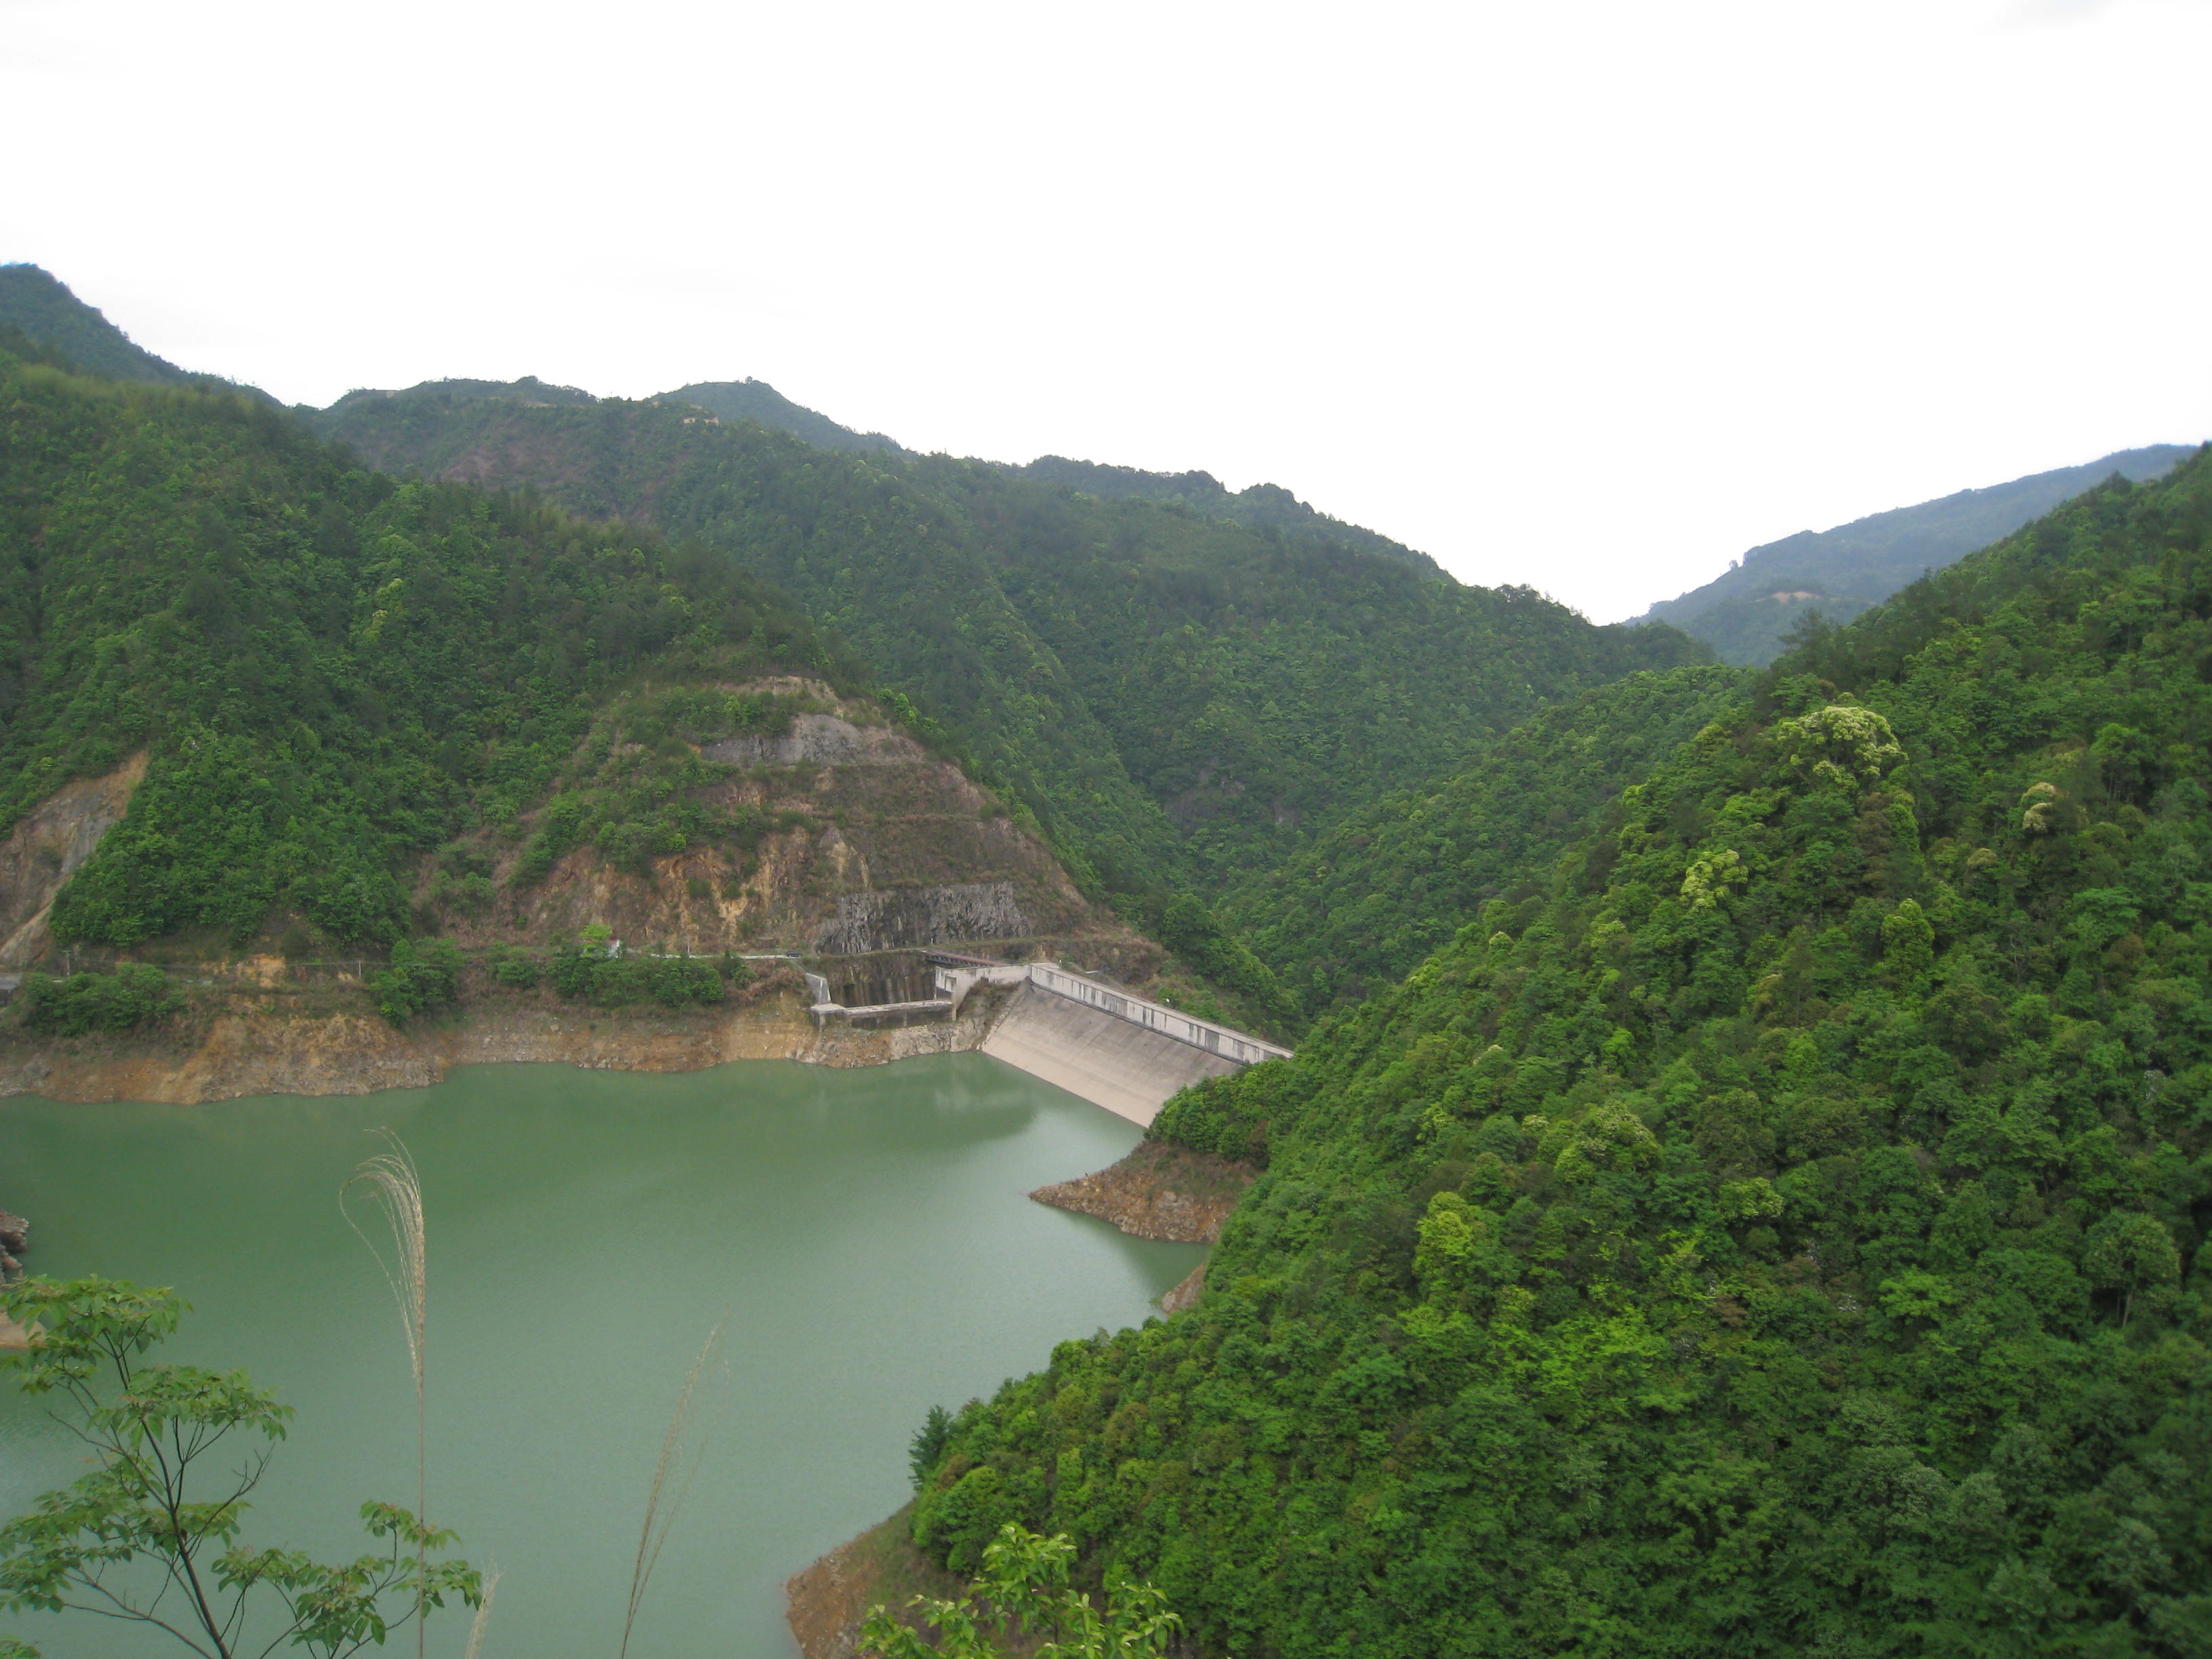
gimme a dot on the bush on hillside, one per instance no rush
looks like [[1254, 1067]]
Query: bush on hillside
[[133, 995]]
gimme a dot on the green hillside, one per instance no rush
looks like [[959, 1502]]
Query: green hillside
[[1178, 697], [1268, 508], [330, 670], [1780, 1230], [40, 308], [756, 400], [1392, 881], [1746, 613]]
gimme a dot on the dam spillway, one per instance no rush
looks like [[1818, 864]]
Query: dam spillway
[[1080, 1033], [1114, 1049], [1110, 1062]]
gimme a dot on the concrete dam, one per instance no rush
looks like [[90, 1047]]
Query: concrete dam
[[1083, 1035]]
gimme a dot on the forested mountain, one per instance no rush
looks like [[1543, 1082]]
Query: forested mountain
[[333, 670], [1392, 881], [1178, 682], [1778, 1226], [756, 400], [1745, 614], [1174, 693], [44, 312], [1263, 506]]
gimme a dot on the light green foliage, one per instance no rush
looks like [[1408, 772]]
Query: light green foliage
[[1821, 1269], [1023, 1588], [176, 1451], [1846, 746], [1908, 941]]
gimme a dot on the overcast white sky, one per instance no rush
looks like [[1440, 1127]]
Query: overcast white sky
[[1587, 296]]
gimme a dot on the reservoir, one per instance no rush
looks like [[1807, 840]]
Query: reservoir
[[865, 1233]]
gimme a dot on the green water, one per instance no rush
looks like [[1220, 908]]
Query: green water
[[865, 1233]]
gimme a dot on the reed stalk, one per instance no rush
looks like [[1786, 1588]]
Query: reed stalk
[[483, 1620], [396, 1187], [662, 1505]]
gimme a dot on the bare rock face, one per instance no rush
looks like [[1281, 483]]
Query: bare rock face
[[48, 845], [920, 916], [1187, 1293], [1159, 1191], [874, 843], [819, 740]]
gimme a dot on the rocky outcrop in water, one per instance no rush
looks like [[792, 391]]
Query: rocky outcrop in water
[[15, 1236], [825, 1604], [1187, 1293], [1159, 1191]]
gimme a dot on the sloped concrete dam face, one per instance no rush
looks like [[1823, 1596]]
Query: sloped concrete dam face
[[1110, 1062]]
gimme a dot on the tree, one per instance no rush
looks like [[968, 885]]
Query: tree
[[929, 1443], [154, 1500], [1024, 1587], [2130, 1253]]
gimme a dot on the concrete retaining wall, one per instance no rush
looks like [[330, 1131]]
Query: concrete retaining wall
[[1128, 1070]]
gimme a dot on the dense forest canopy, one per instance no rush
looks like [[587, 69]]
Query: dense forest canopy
[[1782, 1230], [1176, 695], [1265, 508], [1358, 908], [756, 400], [329, 669]]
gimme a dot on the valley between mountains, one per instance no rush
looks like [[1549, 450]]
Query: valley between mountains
[[1741, 1181]]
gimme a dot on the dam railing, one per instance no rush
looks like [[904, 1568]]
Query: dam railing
[[956, 976], [1239, 1045]]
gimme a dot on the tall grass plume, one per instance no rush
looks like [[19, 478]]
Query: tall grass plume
[[481, 1622], [395, 1187], [663, 1502]]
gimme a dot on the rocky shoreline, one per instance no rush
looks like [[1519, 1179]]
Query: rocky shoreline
[[281, 1047], [269, 1050], [1159, 1191]]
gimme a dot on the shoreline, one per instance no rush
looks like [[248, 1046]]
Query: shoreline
[[1155, 1191], [252, 1051]]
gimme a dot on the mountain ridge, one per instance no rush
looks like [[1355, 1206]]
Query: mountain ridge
[[1744, 612]]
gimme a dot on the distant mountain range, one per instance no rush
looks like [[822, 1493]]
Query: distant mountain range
[[1745, 614]]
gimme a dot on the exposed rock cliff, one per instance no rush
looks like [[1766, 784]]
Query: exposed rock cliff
[[48, 844], [924, 916], [874, 843]]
